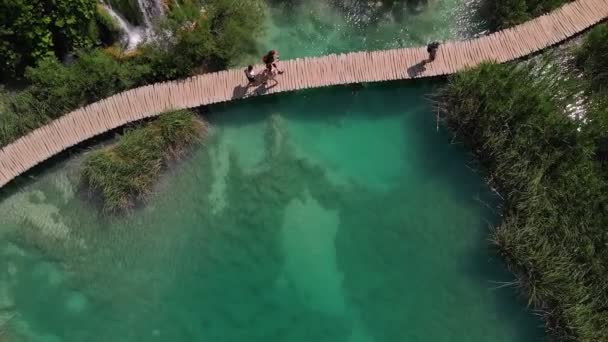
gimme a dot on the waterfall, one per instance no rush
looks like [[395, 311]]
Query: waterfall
[[132, 36], [150, 9]]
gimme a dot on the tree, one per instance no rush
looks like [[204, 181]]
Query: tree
[[33, 29], [207, 39]]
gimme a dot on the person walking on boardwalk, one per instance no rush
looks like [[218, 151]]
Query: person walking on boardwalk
[[269, 75], [432, 48], [270, 60], [251, 75]]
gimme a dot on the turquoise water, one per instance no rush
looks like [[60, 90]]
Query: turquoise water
[[340, 214]]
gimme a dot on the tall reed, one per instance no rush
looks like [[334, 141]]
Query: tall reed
[[554, 234]]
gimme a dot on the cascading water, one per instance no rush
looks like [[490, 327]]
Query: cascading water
[[132, 36], [150, 9]]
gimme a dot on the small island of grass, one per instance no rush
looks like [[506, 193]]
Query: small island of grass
[[126, 172]]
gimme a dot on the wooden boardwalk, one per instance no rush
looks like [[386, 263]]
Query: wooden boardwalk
[[396, 64]]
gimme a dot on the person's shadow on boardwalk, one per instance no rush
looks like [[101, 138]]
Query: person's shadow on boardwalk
[[417, 69], [260, 87]]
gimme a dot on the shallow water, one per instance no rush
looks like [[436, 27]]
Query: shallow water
[[303, 28], [339, 214]]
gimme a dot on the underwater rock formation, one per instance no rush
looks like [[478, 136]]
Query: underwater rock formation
[[29, 209], [276, 131]]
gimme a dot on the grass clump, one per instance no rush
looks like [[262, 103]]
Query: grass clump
[[125, 172], [547, 167]]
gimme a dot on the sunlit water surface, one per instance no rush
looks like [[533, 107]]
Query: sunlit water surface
[[338, 214]]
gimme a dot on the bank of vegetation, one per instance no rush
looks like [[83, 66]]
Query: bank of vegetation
[[124, 174], [38, 38], [552, 171]]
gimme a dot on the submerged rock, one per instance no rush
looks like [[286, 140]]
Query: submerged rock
[[7, 302], [30, 209], [76, 303], [275, 138]]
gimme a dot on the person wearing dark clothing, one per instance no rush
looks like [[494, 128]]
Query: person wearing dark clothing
[[270, 60], [432, 50]]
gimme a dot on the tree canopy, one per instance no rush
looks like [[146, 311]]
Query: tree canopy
[[33, 29]]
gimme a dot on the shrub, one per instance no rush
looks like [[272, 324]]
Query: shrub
[[125, 172], [210, 39], [34, 29], [235, 24], [56, 89], [544, 164]]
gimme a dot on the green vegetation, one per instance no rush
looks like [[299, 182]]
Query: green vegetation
[[502, 14], [191, 41], [205, 40], [552, 171], [34, 29], [125, 173], [108, 28], [56, 89], [592, 58]]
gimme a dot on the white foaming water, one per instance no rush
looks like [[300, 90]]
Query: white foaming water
[[150, 9], [132, 35]]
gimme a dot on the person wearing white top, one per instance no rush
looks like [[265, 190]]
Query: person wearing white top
[[250, 74]]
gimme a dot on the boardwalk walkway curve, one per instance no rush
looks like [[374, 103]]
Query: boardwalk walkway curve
[[385, 65]]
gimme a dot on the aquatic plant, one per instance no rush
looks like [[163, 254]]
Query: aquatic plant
[[543, 163], [126, 171]]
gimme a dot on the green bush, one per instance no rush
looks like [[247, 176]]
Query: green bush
[[592, 58], [92, 77], [31, 30], [56, 89], [235, 24], [210, 39], [126, 172], [545, 166]]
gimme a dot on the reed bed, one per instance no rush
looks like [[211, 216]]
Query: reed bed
[[546, 167], [125, 172]]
